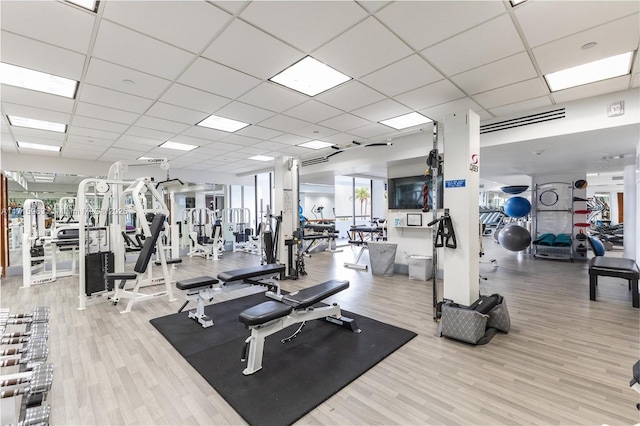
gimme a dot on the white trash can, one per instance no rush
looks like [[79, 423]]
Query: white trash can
[[420, 267]]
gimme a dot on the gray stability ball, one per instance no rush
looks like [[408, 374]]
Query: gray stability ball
[[514, 237]]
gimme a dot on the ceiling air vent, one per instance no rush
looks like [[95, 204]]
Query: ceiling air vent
[[617, 177], [526, 120], [313, 161]]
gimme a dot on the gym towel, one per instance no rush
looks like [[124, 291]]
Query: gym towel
[[545, 240], [562, 240]]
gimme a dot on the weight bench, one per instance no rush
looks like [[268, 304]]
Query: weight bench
[[272, 316], [205, 287], [614, 267]]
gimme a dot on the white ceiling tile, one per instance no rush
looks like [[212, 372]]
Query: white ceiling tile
[[58, 23], [272, 146], [362, 49], [341, 138], [433, 94], [35, 113], [314, 131], [96, 124], [222, 147], [496, 74], [312, 111], [402, 76], [138, 140], [290, 139], [188, 25], [43, 57], [247, 49], [149, 133], [259, 132], [131, 146], [163, 125], [231, 6], [204, 133], [382, 110], [616, 37], [82, 155], [88, 147], [252, 150], [424, 23], [635, 80], [438, 112], [283, 123], [373, 6], [594, 89], [134, 50], [562, 18], [8, 146], [305, 24], [350, 96], [240, 140], [207, 75], [493, 40], [273, 97], [523, 106], [92, 133], [35, 99], [167, 153], [512, 93], [105, 113], [76, 139], [372, 130], [33, 135], [244, 112], [345, 122], [111, 76], [110, 98], [191, 98], [118, 154], [176, 113]]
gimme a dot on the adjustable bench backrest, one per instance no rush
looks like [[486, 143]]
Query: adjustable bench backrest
[[310, 296], [149, 244], [251, 272]]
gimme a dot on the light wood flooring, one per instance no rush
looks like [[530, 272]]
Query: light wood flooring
[[567, 360]]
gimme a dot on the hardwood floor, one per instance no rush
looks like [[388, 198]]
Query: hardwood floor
[[567, 360]]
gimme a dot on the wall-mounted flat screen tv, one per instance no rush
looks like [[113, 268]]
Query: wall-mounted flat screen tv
[[407, 193]]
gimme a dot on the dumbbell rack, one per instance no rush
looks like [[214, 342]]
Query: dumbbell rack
[[26, 378]]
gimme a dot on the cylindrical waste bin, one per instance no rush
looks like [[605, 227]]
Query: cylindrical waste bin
[[382, 256], [420, 267]]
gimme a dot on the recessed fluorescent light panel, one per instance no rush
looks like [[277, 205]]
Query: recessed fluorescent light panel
[[29, 145], [221, 123], [315, 144], [260, 158], [36, 80], [91, 5], [179, 146], [310, 76], [407, 120], [36, 124], [602, 69]]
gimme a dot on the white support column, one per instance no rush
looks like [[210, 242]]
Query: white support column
[[630, 212], [285, 200], [637, 219], [461, 197]]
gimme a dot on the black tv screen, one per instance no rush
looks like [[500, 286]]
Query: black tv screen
[[406, 193]]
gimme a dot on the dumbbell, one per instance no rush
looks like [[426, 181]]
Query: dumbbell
[[36, 416], [36, 381], [38, 315], [36, 333], [31, 358]]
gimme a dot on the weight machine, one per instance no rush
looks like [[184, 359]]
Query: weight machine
[[204, 233]]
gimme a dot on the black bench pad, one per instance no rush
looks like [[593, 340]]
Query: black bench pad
[[120, 276], [614, 264], [264, 312], [197, 282], [169, 261], [614, 267], [312, 295], [251, 272]]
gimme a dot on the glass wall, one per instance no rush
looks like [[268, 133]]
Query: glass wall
[[357, 202]]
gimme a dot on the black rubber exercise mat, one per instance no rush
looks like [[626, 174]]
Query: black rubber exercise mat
[[296, 376]]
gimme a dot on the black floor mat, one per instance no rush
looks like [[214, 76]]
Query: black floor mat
[[296, 376]]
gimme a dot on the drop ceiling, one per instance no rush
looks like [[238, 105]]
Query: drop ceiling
[[149, 71]]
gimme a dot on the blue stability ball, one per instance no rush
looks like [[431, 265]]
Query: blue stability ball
[[517, 207], [597, 246], [514, 237]]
